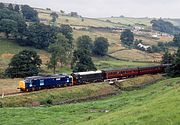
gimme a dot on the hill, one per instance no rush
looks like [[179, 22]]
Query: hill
[[156, 104], [111, 29], [138, 21]]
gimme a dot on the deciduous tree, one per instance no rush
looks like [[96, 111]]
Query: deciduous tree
[[85, 43], [25, 63], [8, 27], [127, 37], [40, 35], [82, 61], [29, 13], [100, 46], [61, 51]]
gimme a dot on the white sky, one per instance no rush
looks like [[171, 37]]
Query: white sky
[[107, 8]]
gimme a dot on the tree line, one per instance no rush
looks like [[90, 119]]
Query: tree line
[[164, 26], [28, 62]]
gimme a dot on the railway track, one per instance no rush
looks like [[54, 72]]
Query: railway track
[[3, 95]]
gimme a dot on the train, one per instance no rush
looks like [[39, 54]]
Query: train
[[77, 78]]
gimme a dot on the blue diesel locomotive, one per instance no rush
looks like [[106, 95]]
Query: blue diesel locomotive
[[41, 82]]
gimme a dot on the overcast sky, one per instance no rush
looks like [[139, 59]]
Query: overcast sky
[[107, 8]]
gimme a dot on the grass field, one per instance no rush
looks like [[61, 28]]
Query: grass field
[[129, 20], [156, 104], [137, 55], [77, 21], [8, 48], [134, 21], [107, 63]]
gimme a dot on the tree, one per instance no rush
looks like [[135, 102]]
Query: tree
[[62, 12], [16, 8], [29, 13], [25, 63], [167, 58], [66, 30], [14, 16], [54, 16], [40, 35], [85, 43], [175, 69], [100, 46], [8, 27], [1, 6], [82, 61], [60, 51], [176, 40], [127, 37], [10, 7]]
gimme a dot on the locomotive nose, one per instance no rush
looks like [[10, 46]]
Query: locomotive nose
[[21, 85]]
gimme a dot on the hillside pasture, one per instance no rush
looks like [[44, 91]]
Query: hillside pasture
[[129, 20], [137, 55], [77, 21]]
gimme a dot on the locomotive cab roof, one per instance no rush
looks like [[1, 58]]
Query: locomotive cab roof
[[46, 77], [88, 72]]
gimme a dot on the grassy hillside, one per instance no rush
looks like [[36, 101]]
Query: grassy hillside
[[116, 49], [134, 21], [9, 47], [129, 20], [157, 104], [77, 21], [176, 22]]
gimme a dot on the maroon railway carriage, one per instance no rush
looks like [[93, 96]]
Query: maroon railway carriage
[[131, 72], [120, 73], [151, 70]]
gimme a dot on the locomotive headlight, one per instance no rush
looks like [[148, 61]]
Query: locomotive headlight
[[22, 85]]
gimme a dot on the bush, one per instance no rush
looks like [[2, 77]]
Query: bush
[[2, 75], [47, 101]]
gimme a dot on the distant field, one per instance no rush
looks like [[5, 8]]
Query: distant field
[[156, 104], [176, 22], [134, 21], [137, 55], [77, 21], [107, 63], [129, 20]]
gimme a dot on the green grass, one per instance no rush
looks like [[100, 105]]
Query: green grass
[[77, 21], [107, 63], [7, 49], [157, 104], [129, 20], [58, 95], [9, 46]]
